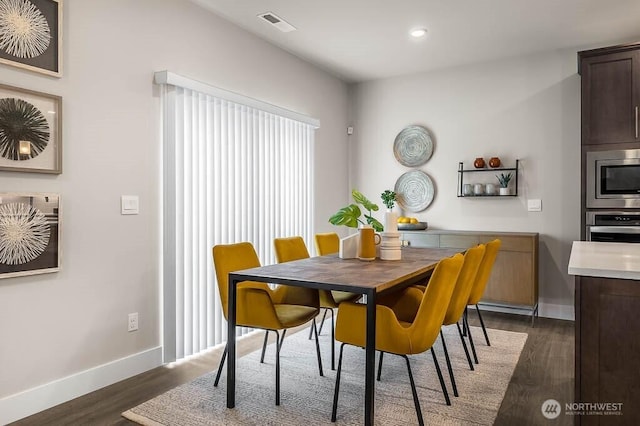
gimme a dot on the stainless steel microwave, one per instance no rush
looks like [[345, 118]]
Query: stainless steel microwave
[[613, 179]]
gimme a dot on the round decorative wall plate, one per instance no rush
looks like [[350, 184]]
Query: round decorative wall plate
[[413, 146], [414, 191]]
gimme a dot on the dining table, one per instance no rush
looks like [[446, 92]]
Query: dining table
[[369, 278]]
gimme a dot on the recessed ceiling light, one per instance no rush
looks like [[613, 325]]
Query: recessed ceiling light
[[418, 32]]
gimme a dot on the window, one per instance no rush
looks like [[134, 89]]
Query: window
[[234, 169]]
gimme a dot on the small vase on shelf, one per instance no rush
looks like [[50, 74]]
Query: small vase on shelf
[[479, 163], [494, 162]]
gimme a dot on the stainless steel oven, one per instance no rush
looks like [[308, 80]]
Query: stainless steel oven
[[613, 179], [613, 226]]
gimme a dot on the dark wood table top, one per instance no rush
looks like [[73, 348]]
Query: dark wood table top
[[357, 276]]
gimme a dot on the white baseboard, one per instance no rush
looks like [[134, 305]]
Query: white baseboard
[[545, 310], [31, 401], [552, 310]]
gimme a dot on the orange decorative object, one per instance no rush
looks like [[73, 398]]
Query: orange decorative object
[[479, 163], [494, 162]]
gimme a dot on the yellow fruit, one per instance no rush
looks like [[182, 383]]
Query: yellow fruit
[[413, 220], [404, 220]]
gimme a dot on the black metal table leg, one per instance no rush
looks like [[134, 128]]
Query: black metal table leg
[[231, 343], [370, 360]]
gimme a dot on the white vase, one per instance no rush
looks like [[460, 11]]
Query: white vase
[[505, 191], [390, 221]]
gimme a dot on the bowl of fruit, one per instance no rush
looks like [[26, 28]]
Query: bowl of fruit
[[410, 224]]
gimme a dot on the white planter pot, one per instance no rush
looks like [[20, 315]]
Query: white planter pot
[[390, 221], [505, 191]]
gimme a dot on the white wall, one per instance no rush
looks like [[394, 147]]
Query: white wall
[[526, 108], [54, 326]]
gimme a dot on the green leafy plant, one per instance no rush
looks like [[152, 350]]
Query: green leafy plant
[[350, 215], [504, 179], [388, 198]]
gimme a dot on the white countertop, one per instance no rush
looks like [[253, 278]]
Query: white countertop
[[606, 260]]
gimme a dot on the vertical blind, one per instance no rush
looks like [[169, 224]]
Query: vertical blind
[[231, 173]]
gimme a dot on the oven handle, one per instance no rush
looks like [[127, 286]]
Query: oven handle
[[614, 229]]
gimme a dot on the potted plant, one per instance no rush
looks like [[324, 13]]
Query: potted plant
[[504, 183], [350, 215], [390, 218]]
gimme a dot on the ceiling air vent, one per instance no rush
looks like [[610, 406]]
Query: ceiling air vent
[[277, 22]]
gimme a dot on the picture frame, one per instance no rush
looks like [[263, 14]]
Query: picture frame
[[30, 131], [30, 230], [31, 35]]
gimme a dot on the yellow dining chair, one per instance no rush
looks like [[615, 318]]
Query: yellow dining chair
[[287, 250], [398, 337], [484, 273], [329, 243], [257, 306], [406, 305]]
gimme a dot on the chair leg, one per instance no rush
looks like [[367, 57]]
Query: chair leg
[[473, 347], [444, 387], [324, 316], [484, 330], [464, 345], [449, 367], [278, 342], [333, 341], [380, 365], [464, 322], [224, 356], [334, 410], [416, 402], [318, 347], [264, 346]]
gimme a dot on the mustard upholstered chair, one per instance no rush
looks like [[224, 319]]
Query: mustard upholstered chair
[[482, 277], [399, 337], [287, 250], [406, 306], [329, 243], [257, 305]]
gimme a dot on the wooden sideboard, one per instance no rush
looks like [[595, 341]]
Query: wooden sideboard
[[514, 279]]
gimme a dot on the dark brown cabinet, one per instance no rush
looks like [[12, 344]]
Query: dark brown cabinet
[[610, 94], [608, 347]]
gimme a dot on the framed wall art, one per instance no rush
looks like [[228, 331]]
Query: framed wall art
[[30, 131], [29, 234], [31, 35]]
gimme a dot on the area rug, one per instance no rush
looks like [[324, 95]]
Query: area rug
[[306, 398]]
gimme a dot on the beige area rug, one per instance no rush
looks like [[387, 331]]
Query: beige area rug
[[306, 398]]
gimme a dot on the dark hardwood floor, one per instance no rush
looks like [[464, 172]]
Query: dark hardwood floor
[[545, 371]]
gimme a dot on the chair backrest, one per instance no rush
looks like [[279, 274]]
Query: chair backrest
[[435, 301], [290, 249], [464, 284], [484, 271], [229, 258], [327, 243], [287, 250]]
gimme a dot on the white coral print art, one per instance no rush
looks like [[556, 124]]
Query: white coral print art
[[24, 233], [24, 31]]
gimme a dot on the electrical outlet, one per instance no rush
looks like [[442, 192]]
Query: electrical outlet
[[133, 322]]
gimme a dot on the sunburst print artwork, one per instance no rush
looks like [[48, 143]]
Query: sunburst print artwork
[[31, 35], [24, 31], [29, 234], [24, 131], [24, 233]]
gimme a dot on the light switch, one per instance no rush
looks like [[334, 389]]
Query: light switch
[[534, 205], [129, 204]]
